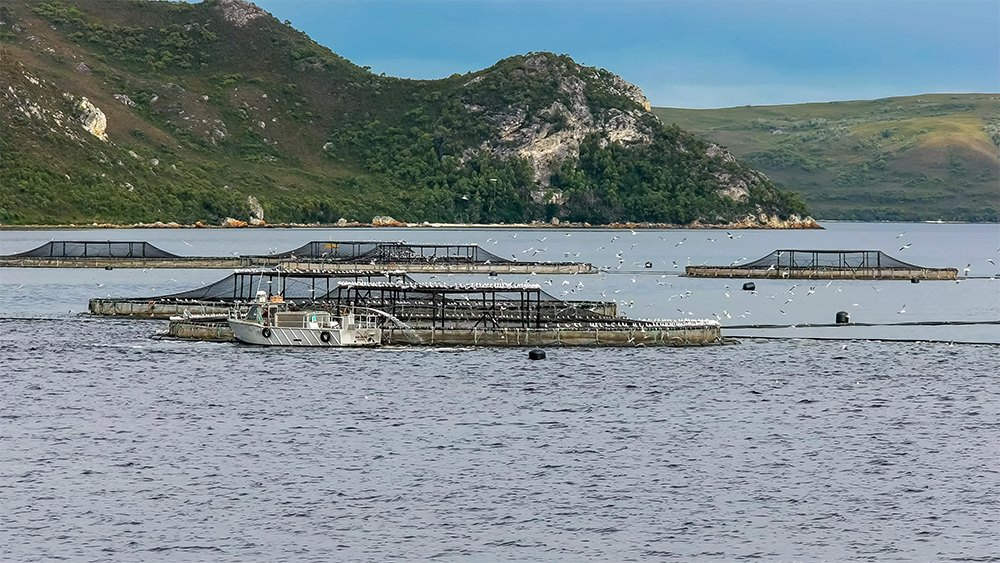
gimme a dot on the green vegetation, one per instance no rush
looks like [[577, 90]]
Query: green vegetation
[[930, 157], [202, 114]]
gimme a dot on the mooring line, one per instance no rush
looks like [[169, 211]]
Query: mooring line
[[845, 339], [829, 325]]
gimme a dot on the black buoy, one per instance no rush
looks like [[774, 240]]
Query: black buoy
[[749, 286], [914, 280], [843, 318], [493, 274], [649, 264], [536, 355], [108, 268]]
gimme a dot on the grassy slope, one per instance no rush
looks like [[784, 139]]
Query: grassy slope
[[224, 112], [924, 157]]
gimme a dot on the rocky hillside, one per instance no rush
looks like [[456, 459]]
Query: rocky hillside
[[915, 158], [164, 111]]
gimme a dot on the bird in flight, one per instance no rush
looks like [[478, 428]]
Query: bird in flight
[[905, 246], [901, 311], [901, 234]]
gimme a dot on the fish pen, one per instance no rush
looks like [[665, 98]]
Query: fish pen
[[318, 256], [242, 285], [825, 264], [505, 314], [422, 258]]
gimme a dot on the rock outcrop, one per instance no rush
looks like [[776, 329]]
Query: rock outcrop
[[549, 136], [93, 119], [240, 12], [256, 211]]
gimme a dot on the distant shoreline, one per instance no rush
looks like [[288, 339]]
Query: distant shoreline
[[792, 224]]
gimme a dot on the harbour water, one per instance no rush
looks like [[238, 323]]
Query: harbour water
[[117, 447]]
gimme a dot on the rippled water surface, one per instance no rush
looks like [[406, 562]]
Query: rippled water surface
[[117, 447]]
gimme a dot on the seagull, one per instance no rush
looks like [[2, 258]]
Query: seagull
[[187, 243], [680, 242], [542, 239], [614, 238], [901, 234], [990, 260], [901, 311], [710, 240], [811, 291], [633, 232], [787, 301], [877, 289], [967, 268], [782, 312], [905, 246], [728, 234], [99, 284]]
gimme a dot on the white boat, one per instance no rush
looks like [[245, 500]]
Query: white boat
[[270, 322]]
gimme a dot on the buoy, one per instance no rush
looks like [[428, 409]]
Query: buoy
[[749, 286], [493, 274], [843, 318], [914, 280], [108, 268], [536, 355], [649, 264]]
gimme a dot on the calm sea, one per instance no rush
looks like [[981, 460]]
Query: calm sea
[[839, 444]]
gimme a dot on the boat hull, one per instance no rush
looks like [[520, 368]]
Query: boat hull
[[253, 333]]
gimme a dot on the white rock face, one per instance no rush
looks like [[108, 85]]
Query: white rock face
[[240, 12], [734, 187], [256, 211], [549, 137], [93, 119]]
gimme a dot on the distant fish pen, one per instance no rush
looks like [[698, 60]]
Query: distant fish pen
[[242, 285], [825, 264], [320, 256]]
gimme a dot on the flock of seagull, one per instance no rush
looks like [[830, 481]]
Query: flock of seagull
[[616, 244]]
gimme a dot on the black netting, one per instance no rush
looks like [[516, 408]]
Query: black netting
[[500, 291], [391, 252], [95, 249], [826, 260], [243, 285]]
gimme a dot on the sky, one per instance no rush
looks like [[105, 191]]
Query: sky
[[701, 54]]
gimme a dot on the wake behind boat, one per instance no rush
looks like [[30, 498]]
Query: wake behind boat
[[271, 322]]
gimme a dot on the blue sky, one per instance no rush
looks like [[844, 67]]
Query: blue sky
[[705, 54]]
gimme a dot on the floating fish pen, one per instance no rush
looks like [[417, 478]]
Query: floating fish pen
[[109, 254], [825, 264], [509, 314], [318, 256], [242, 285], [414, 258], [480, 314]]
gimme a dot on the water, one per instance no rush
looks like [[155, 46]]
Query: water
[[114, 446]]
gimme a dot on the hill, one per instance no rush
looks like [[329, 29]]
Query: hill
[[141, 111], [918, 158]]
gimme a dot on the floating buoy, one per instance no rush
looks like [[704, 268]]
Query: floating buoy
[[108, 268], [749, 286], [914, 280], [536, 355], [493, 274], [843, 318]]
